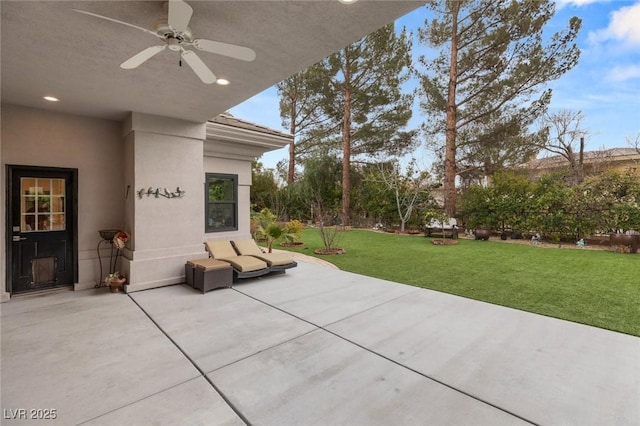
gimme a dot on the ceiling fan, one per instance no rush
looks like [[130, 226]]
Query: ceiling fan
[[177, 35]]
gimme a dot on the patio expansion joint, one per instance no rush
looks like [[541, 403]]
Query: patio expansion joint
[[265, 349], [426, 376], [202, 373], [136, 401]]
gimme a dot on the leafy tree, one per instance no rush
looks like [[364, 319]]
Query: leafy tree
[[606, 203], [476, 208], [300, 107], [618, 197], [264, 189], [294, 202], [321, 186], [372, 200], [551, 208], [589, 207], [486, 81], [511, 199]]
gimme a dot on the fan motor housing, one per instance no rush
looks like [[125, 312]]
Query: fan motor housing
[[164, 30]]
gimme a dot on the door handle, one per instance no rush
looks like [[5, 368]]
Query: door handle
[[19, 238]]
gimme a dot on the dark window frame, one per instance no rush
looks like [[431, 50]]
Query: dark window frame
[[234, 203]]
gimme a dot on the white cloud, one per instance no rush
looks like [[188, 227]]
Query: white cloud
[[623, 26], [623, 73], [577, 3]]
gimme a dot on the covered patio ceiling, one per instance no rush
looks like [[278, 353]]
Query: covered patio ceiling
[[48, 49]]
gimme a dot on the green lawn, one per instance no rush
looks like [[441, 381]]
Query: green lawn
[[593, 287]]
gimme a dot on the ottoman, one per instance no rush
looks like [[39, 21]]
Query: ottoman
[[189, 269], [212, 274]]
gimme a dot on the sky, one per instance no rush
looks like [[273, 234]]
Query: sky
[[605, 85]]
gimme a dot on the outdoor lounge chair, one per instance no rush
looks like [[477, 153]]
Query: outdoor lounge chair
[[243, 266], [276, 261]]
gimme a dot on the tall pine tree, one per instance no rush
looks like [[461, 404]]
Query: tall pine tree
[[300, 107], [489, 77], [365, 98]]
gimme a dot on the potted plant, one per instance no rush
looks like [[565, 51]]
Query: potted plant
[[115, 281], [482, 233], [118, 241]]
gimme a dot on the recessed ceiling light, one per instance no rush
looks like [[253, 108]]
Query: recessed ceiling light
[[222, 82], [50, 99], [347, 1]]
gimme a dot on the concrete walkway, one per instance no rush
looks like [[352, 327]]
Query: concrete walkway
[[313, 346]]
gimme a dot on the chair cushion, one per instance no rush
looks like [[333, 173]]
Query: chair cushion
[[212, 264], [194, 262], [276, 259], [220, 249], [250, 248], [247, 247], [245, 263]]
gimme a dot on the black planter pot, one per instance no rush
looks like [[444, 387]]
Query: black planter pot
[[631, 241], [482, 234]]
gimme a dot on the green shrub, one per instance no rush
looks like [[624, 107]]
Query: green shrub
[[293, 230]]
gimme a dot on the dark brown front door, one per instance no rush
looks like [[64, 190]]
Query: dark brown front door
[[42, 228]]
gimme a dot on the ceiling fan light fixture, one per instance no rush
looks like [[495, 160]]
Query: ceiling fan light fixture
[[223, 82], [51, 98], [176, 36], [174, 44]]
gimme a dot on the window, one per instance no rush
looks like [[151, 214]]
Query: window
[[221, 202], [42, 204]]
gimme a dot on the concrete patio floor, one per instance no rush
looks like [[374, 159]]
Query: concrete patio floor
[[313, 346]]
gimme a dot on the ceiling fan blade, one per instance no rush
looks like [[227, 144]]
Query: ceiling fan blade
[[179, 15], [226, 49], [200, 68], [116, 21], [141, 57]]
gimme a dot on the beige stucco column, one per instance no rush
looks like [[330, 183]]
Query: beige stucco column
[[162, 153]]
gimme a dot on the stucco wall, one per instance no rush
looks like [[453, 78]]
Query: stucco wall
[[33, 137], [162, 153], [117, 159], [243, 170]]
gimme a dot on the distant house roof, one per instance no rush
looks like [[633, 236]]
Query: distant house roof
[[613, 154]]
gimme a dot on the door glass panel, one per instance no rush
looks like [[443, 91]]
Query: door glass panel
[[57, 204], [42, 205], [57, 222], [44, 186], [57, 187]]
